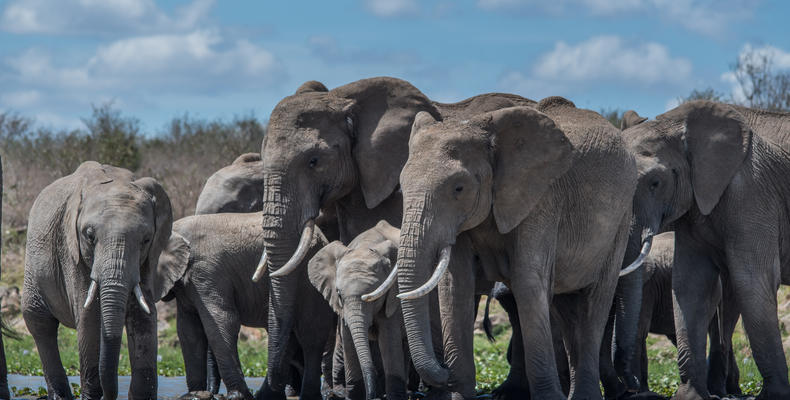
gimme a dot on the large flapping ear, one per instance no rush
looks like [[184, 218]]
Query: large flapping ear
[[163, 220], [382, 117], [73, 207], [530, 153], [631, 118], [172, 265], [311, 86], [717, 140], [322, 270]]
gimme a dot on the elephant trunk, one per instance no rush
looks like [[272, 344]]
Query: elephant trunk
[[282, 218], [113, 295], [416, 259], [358, 326]]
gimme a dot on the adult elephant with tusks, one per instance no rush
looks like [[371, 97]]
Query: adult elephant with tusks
[[543, 198], [94, 239], [341, 148], [719, 174]]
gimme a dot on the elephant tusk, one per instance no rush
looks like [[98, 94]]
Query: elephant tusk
[[384, 287], [138, 293], [301, 251], [261, 269], [91, 294], [441, 268], [639, 260]]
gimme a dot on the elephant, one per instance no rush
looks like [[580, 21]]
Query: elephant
[[94, 237], [4, 392], [539, 198], [206, 266], [340, 149], [343, 274], [236, 188], [717, 176]]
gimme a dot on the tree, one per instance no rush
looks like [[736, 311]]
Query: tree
[[614, 115], [757, 84], [705, 94], [113, 138]]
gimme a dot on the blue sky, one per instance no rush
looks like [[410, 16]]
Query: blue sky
[[160, 59]]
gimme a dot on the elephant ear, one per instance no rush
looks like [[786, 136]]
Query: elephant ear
[[717, 140], [322, 270], [172, 265], [311, 86], [631, 118], [530, 152], [381, 117], [163, 220]]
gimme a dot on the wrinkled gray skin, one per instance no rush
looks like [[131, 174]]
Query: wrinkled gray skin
[[207, 265], [538, 195], [96, 224], [341, 149], [343, 274], [709, 172], [657, 317], [236, 188], [4, 392]]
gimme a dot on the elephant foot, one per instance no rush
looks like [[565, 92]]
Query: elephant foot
[[510, 391], [646, 395], [433, 394], [769, 393], [290, 391], [267, 394], [197, 395], [239, 395], [687, 392]]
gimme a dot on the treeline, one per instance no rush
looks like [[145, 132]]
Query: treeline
[[181, 156]]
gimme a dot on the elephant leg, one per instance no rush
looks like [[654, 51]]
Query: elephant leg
[[755, 277], [311, 375], [44, 328], [222, 326], [612, 387], [730, 316], [639, 359], [694, 279], [326, 365], [338, 369], [142, 343], [194, 347], [4, 392], [515, 385], [390, 343], [212, 371], [355, 385], [457, 306], [88, 329], [560, 355]]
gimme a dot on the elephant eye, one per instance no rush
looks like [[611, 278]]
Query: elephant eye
[[459, 189], [654, 185], [313, 162], [90, 233]]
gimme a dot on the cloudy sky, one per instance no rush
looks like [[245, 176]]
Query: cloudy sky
[[160, 59]]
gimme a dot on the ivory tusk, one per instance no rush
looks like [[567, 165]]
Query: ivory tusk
[[261, 269], [639, 260], [384, 287], [91, 293], [138, 293], [301, 251], [441, 268]]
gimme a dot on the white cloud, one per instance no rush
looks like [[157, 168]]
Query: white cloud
[[19, 99], [611, 58], [779, 60], [392, 8], [702, 16], [106, 17]]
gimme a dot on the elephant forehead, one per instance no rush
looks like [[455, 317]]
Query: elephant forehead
[[306, 109], [359, 267]]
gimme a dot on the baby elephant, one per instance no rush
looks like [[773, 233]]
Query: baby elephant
[[94, 239], [343, 274], [208, 265]]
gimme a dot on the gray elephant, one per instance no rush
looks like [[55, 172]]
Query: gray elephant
[[236, 188], [537, 198], [94, 239], [207, 266], [341, 149], [343, 274], [717, 175], [4, 392]]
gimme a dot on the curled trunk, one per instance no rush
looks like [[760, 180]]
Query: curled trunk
[[358, 326]]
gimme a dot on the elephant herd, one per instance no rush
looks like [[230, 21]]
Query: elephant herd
[[367, 197]]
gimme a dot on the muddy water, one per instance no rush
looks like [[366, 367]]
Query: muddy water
[[169, 388]]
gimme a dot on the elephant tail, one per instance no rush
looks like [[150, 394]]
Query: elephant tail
[[7, 331], [487, 320]]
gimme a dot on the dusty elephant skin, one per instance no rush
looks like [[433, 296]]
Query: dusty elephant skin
[[343, 275], [341, 149], [94, 239], [718, 176], [4, 392], [544, 200], [207, 265]]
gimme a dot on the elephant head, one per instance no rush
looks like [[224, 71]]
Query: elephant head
[[115, 228], [685, 158], [320, 146], [344, 274], [458, 174], [236, 188]]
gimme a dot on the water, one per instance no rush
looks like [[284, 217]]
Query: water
[[169, 387]]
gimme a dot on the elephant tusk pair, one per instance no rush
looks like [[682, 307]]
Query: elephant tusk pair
[[301, 251], [138, 293], [384, 287], [646, 245], [441, 268]]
